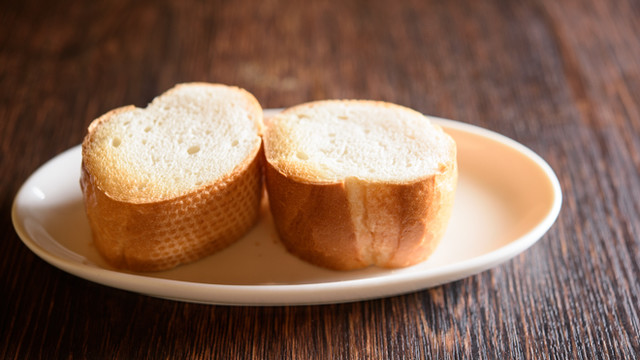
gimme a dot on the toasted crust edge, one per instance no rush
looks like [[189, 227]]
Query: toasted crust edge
[[316, 223], [136, 236]]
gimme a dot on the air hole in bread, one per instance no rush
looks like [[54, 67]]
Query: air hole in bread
[[235, 143], [147, 129], [302, 155], [144, 141], [193, 149], [303, 116], [116, 142], [343, 117]]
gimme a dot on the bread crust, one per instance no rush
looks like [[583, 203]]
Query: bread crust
[[160, 235], [155, 235], [312, 220], [316, 223], [353, 223]]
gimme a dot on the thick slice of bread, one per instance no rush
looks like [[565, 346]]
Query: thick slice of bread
[[356, 183], [176, 181]]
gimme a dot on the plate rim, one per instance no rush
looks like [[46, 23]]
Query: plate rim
[[308, 293]]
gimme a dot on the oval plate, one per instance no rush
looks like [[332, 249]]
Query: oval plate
[[507, 198]]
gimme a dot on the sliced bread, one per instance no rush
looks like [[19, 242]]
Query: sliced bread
[[176, 181], [356, 183]]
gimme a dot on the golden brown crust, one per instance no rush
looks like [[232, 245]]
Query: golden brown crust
[[316, 222], [313, 220], [423, 209], [161, 235]]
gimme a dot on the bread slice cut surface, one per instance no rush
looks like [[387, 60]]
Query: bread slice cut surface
[[331, 141], [189, 137]]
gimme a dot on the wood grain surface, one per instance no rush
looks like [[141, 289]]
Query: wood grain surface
[[561, 77]]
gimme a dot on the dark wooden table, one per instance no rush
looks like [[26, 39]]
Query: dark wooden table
[[561, 77]]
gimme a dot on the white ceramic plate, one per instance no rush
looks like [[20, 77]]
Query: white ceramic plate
[[507, 198]]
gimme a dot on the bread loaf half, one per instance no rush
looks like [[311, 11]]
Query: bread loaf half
[[358, 183], [176, 181]]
